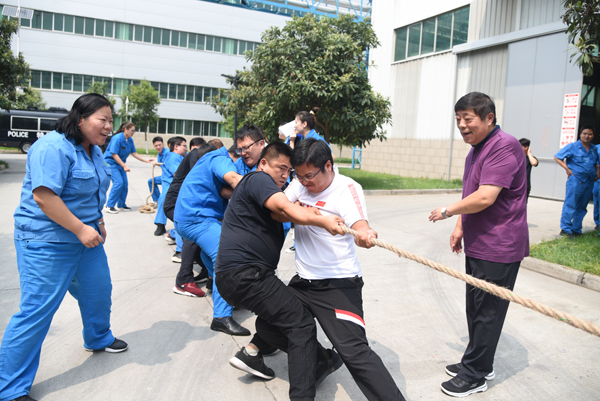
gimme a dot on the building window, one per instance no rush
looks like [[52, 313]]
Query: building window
[[432, 35]]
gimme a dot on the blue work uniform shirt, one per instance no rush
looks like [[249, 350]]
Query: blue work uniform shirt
[[242, 168], [200, 193], [171, 162], [161, 156], [81, 182], [120, 146], [581, 162]]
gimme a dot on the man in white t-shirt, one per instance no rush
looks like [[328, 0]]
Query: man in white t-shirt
[[329, 279]]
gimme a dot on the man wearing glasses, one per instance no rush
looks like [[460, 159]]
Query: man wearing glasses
[[250, 142]]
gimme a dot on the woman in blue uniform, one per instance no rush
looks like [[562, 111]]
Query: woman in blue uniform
[[119, 148], [59, 237]]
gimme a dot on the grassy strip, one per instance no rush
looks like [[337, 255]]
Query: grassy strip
[[369, 180], [7, 148], [142, 151], [3, 163], [345, 160], [581, 253]]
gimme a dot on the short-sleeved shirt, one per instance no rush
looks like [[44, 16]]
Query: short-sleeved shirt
[[249, 235], [529, 167], [320, 255], [200, 193], [498, 233], [161, 155], [170, 164], [184, 168], [242, 168], [581, 162], [81, 181], [120, 146]]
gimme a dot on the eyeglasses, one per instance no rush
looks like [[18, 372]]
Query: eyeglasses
[[309, 177], [240, 151]]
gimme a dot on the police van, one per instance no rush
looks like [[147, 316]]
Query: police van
[[21, 128]]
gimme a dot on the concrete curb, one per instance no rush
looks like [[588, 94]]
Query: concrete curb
[[412, 191], [564, 273]]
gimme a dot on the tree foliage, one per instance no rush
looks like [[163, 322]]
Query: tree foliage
[[29, 97], [13, 69], [143, 104], [102, 89], [583, 21], [312, 63]]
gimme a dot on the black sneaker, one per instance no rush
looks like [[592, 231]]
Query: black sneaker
[[453, 370], [596, 228], [116, 346], [209, 284], [160, 229], [124, 208], [328, 361], [202, 277], [576, 234], [457, 387], [111, 210], [176, 257], [563, 233], [255, 365], [24, 398]]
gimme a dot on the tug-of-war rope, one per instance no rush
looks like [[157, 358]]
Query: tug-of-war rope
[[501, 292], [150, 207]]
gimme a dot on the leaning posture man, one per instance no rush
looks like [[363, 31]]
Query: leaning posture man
[[493, 221], [250, 246]]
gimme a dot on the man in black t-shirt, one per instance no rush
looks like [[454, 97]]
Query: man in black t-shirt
[[250, 245], [530, 160]]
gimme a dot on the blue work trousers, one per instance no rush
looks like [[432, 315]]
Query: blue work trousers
[[596, 202], [118, 192], [47, 271], [207, 234], [161, 217], [178, 240], [156, 192], [577, 196]]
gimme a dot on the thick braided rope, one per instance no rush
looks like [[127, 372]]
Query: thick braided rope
[[501, 292], [147, 208]]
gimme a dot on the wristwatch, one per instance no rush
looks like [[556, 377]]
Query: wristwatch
[[444, 213]]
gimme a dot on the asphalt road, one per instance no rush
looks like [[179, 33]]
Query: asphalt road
[[415, 317]]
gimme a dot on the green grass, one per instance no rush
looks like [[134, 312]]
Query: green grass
[[142, 151], [345, 160], [369, 180], [3, 163], [581, 253], [7, 148]]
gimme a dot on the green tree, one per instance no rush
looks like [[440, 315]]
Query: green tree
[[14, 69], [29, 97], [311, 63], [583, 23], [143, 104], [102, 89]]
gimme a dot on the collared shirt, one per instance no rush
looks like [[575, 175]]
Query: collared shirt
[[313, 134], [120, 146], [582, 162], [162, 155], [81, 182], [242, 168], [171, 162], [200, 193]]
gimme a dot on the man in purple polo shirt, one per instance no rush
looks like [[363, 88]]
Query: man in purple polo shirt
[[493, 221]]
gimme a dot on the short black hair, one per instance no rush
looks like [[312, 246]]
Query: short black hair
[[205, 148], [157, 139], [479, 102], [253, 131], [197, 141], [274, 150], [84, 106], [176, 141], [587, 126], [525, 142], [311, 151]]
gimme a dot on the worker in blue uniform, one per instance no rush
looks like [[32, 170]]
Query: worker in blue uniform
[[596, 195], [159, 146], [59, 236], [119, 148], [580, 161], [198, 214], [171, 161]]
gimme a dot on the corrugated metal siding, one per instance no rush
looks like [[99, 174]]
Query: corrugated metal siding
[[540, 12], [492, 18]]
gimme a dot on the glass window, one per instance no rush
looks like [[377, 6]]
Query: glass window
[[118, 86], [57, 81], [162, 126], [242, 47], [78, 83], [192, 41], [108, 29], [198, 94], [109, 87], [36, 79], [47, 21], [67, 83], [79, 21], [172, 91], [427, 44], [156, 36], [188, 127], [25, 22], [116, 122], [444, 30], [206, 97], [155, 85], [174, 38], [123, 31], [89, 26], [400, 49], [201, 39], [68, 23], [229, 46], [217, 44], [189, 93], [179, 129], [170, 126], [99, 27], [183, 38], [164, 90], [36, 22], [129, 32], [118, 30], [147, 34], [197, 129], [24, 123], [209, 43], [414, 39], [166, 35], [58, 22], [139, 33], [47, 124], [180, 92], [461, 26], [213, 129], [87, 81], [46, 80]]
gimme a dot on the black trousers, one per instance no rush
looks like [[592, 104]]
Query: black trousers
[[257, 289], [190, 252], [485, 316], [337, 305]]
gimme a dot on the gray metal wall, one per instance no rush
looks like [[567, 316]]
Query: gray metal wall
[[538, 76]]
